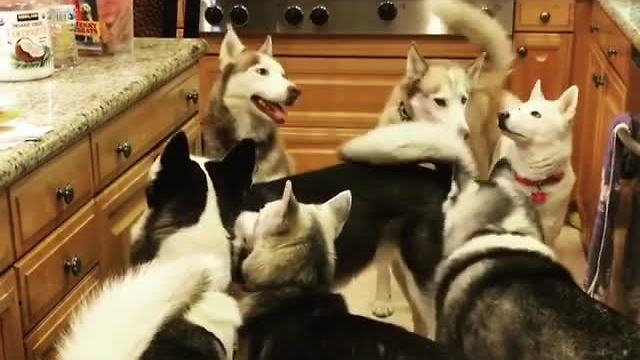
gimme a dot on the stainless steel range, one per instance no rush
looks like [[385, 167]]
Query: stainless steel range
[[398, 17]]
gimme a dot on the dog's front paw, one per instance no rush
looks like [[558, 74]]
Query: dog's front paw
[[382, 309]]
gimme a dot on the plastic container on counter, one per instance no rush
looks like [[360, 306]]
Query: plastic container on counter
[[62, 21], [25, 41]]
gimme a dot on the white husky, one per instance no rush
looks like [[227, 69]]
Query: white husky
[[537, 142], [160, 310]]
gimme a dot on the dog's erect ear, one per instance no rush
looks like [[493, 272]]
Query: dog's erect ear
[[502, 170], [475, 68], [568, 102], [230, 48], [176, 154], [416, 66], [536, 92], [340, 207], [267, 46], [290, 204], [232, 178]]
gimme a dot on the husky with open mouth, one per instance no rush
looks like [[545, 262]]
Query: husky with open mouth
[[502, 295], [248, 102]]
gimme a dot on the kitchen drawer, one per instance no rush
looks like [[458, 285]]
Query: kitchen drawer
[[48, 272], [6, 237], [545, 15], [613, 43], [315, 148], [10, 330], [40, 344], [46, 197], [120, 143]]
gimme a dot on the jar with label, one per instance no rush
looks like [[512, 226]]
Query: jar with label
[[62, 20], [25, 41]]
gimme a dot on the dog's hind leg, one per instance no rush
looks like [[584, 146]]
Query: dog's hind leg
[[381, 306], [419, 300]]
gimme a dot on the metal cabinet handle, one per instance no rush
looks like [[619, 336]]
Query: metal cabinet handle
[[594, 28], [73, 266], [125, 149], [545, 16], [612, 52], [523, 51], [599, 80], [65, 193], [193, 97]]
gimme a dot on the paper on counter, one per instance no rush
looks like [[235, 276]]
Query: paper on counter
[[15, 132]]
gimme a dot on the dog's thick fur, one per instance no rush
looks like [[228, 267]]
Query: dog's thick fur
[[536, 139], [502, 295], [184, 198], [291, 314], [466, 97], [246, 102], [163, 310]]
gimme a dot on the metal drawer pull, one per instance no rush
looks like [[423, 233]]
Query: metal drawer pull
[[65, 194], [595, 28], [125, 149], [545, 16], [523, 51], [611, 52], [73, 265], [599, 80], [193, 97]]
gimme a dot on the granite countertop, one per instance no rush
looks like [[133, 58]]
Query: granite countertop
[[625, 13], [76, 101]]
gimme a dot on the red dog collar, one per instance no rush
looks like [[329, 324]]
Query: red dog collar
[[539, 196]]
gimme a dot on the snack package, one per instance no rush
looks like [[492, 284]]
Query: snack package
[[104, 26]]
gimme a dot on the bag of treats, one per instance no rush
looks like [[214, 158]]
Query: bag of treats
[[104, 26]]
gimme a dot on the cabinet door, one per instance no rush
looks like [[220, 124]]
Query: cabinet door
[[121, 204], [6, 237], [10, 329], [541, 56]]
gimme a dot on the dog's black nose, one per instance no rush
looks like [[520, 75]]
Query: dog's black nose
[[292, 95], [502, 119], [464, 133]]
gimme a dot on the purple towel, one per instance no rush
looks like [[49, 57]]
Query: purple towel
[[601, 251]]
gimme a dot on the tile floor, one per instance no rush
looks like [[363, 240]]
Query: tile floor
[[360, 292]]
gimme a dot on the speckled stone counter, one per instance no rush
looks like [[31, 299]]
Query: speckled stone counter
[[78, 100], [626, 13]]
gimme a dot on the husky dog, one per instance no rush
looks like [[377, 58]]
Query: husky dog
[[291, 313], [537, 142], [247, 102], [397, 206], [502, 295], [163, 310], [464, 96], [184, 198]]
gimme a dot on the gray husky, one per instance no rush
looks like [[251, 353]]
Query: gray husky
[[501, 294], [248, 102], [291, 313]]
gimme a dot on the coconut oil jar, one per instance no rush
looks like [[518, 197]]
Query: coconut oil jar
[[25, 41]]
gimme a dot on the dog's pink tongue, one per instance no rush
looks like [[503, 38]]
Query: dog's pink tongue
[[279, 114]]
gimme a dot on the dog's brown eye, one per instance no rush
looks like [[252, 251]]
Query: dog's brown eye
[[441, 102], [263, 71], [536, 114], [464, 100]]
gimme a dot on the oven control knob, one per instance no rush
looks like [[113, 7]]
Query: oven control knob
[[319, 15], [387, 10], [214, 15], [239, 15], [294, 15]]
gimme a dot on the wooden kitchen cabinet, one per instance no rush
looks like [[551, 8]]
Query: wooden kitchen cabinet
[[10, 327], [545, 56], [7, 254], [605, 95], [121, 204]]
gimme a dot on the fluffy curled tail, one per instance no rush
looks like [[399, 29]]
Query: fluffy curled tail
[[409, 143], [120, 320]]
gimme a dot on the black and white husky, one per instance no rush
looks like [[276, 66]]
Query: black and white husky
[[163, 310], [501, 294], [290, 312], [248, 102]]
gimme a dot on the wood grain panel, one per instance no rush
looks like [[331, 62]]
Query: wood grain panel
[[7, 252], [42, 274], [35, 207], [529, 15], [613, 43], [10, 328]]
